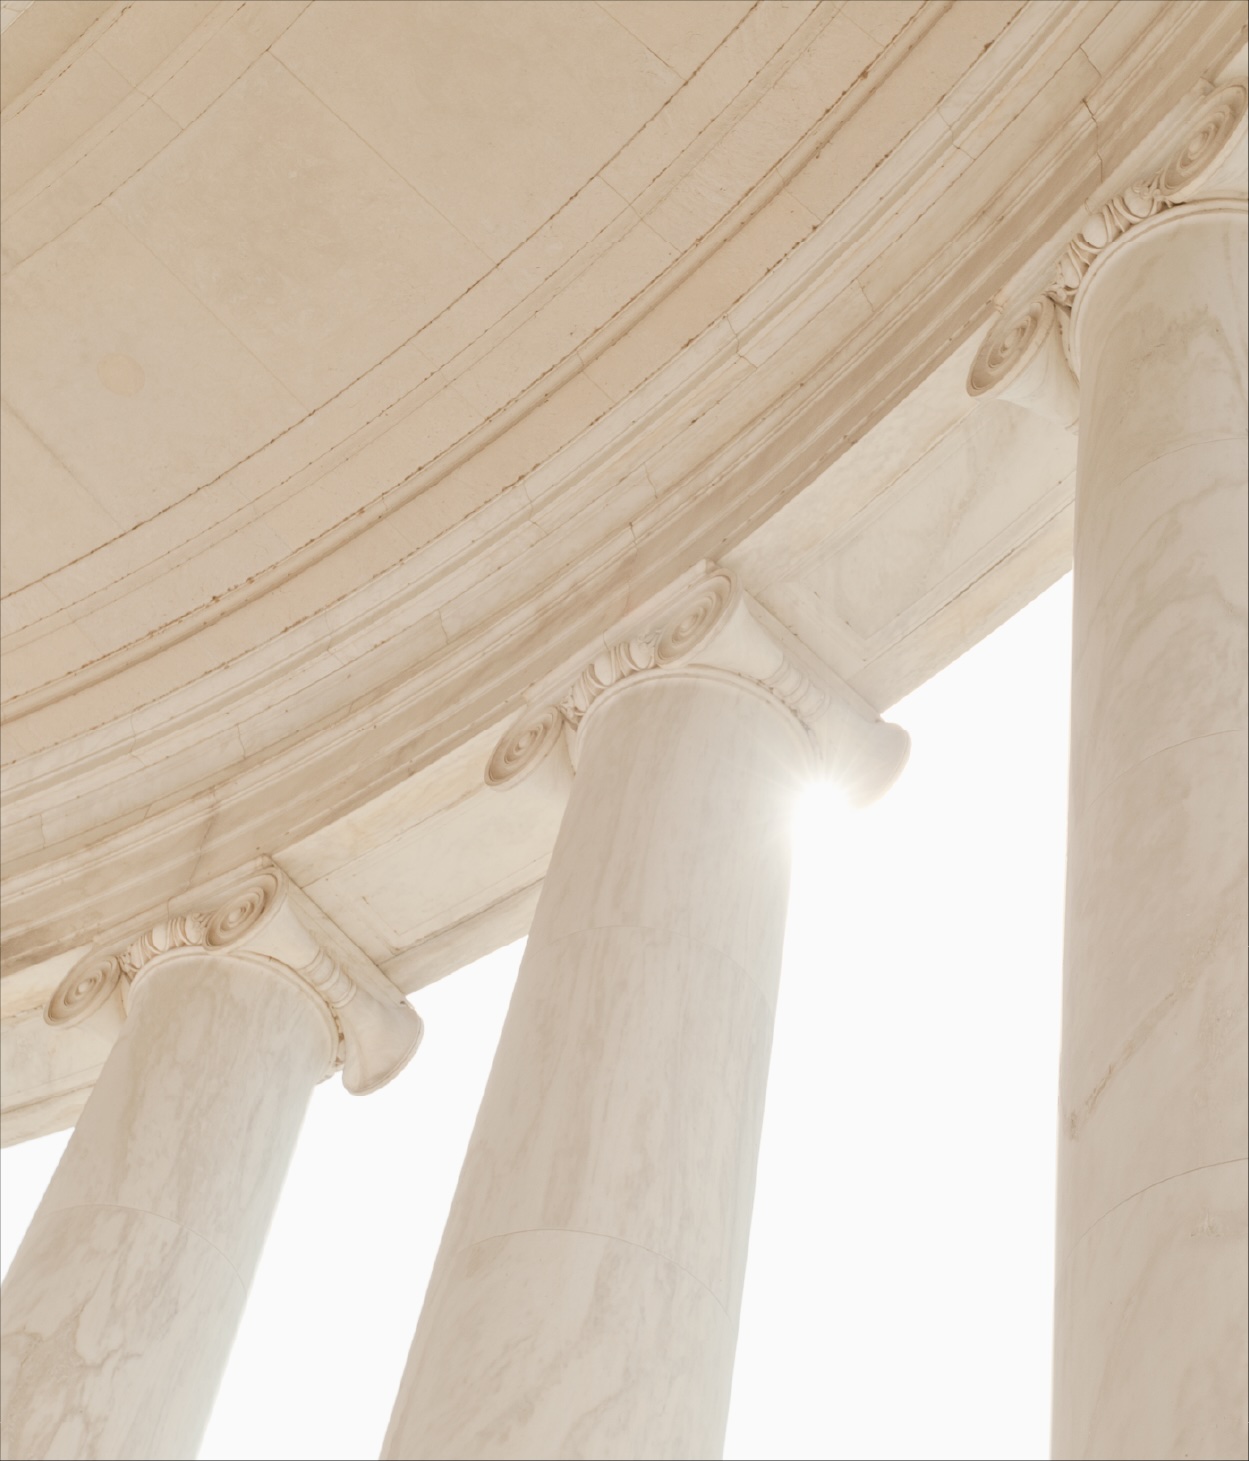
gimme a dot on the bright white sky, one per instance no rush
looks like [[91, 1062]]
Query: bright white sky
[[898, 1296]]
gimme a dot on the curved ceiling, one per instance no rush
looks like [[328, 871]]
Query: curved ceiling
[[363, 361], [349, 225]]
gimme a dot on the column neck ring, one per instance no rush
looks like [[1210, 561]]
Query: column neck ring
[[262, 963], [1184, 215], [801, 736], [266, 922]]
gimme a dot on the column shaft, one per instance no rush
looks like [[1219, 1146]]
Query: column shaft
[[585, 1297], [122, 1302], [1150, 1352]]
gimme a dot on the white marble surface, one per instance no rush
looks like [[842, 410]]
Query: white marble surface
[[113, 1320], [635, 1075], [235, 616], [1164, 1373], [611, 1351], [585, 1298], [1150, 1344], [122, 1302]]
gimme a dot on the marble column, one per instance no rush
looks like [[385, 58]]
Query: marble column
[[585, 1297], [121, 1305], [1150, 1353], [1150, 1348]]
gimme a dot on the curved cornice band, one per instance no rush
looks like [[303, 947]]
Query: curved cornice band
[[105, 797], [1031, 354]]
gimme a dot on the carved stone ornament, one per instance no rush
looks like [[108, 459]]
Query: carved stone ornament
[[707, 623], [262, 918], [1026, 356]]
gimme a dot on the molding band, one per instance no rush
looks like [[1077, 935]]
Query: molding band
[[1028, 355]]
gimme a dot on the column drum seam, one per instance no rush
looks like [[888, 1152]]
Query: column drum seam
[[160, 1217], [1235, 730], [1149, 1187]]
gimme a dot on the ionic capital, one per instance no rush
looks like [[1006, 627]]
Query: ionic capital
[[265, 920], [707, 623], [1029, 354]]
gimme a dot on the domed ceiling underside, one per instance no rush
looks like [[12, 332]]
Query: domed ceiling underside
[[362, 362]]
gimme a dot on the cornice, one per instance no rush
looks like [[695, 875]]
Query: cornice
[[709, 623], [790, 295], [1030, 355], [374, 1031], [366, 422], [426, 655]]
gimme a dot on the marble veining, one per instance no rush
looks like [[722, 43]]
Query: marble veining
[[585, 1298], [1152, 1213], [121, 1304], [565, 1344]]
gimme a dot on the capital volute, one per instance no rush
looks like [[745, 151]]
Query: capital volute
[[706, 624], [264, 919], [1030, 354]]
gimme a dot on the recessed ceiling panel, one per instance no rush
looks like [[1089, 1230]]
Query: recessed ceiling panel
[[318, 256], [496, 112], [133, 385]]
